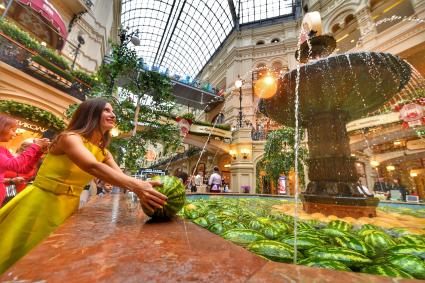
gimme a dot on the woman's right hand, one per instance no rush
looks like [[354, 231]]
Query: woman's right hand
[[43, 143], [148, 196]]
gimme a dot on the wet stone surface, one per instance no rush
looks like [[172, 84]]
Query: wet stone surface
[[110, 241]]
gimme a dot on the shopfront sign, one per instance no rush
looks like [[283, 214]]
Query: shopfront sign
[[373, 121], [207, 130], [151, 171], [32, 127]]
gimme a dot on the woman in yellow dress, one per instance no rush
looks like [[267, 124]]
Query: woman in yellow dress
[[75, 157]]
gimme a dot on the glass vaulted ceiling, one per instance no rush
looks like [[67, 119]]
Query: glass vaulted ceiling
[[182, 35]]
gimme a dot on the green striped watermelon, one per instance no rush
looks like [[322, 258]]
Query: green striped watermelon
[[273, 250], [412, 240], [340, 225], [346, 256], [270, 233], [201, 221], [302, 226], [355, 244], [408, 249], [370, 227], [386, 270], [364, 232], [379, 240], [304, 242], [255, 225], [408, 263], [173, 188], [211, 218], [216, 228], [242, 237], [282, 227], [333, 232], [324, 263]]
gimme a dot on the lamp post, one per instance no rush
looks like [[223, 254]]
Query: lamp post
[[238, 84], [80, 43], [126, 38]]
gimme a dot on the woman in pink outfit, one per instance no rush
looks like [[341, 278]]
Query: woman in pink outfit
[[22, 163]]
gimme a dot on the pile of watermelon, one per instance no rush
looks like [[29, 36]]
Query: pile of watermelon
[[338, 245]]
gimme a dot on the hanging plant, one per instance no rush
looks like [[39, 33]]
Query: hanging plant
[[33, 114], [187, 116]]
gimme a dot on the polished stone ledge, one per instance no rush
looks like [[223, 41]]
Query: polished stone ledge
[[110, 240]]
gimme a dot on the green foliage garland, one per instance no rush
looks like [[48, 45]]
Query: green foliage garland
[[32, 114]]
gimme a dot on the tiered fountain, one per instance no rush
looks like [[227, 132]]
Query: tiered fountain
[[333, 91]]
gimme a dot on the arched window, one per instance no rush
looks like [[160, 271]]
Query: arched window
[[335, 28], [277, 66], [349, 19], [260, 42]]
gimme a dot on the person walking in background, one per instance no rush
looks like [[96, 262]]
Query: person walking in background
[[22, 163], [199, 179], [402, 189], [75, 156], [215, 181]]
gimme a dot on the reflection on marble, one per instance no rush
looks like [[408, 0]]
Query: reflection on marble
[[108, 242]]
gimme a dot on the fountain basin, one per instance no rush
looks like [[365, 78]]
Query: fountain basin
[[355, 83], [355, 207]]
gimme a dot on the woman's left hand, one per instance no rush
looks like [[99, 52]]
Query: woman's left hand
[[150, 197]]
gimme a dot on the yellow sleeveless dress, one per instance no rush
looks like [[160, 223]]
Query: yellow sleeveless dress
[[41, 207]]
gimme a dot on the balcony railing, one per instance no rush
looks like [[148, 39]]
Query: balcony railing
[[18, 56]]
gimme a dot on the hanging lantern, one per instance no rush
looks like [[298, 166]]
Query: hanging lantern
[[412, 115], [184, 125], [265, 87]]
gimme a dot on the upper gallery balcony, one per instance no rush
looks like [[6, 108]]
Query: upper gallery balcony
[[19, 50]]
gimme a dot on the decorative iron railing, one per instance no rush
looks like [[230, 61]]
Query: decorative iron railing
[[18, 56]]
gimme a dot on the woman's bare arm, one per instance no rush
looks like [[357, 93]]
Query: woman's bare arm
[[73, 147]]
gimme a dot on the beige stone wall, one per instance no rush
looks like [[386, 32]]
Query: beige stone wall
[[97, 27]]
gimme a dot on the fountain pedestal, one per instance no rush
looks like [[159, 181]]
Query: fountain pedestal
[[333, 187]]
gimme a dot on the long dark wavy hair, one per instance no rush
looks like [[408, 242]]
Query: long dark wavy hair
[[86, 121]]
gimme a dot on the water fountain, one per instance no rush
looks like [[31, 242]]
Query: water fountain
[[332, 91]]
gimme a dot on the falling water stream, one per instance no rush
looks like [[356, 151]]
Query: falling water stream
[[297, 136]]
